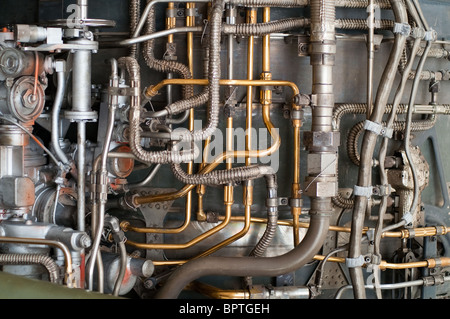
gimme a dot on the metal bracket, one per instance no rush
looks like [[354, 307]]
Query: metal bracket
[[355, 262], [126, 91], [408, 218], [382, 190], [430, 35], [363, 191], [278, 201], [402, 28], [378, 129]]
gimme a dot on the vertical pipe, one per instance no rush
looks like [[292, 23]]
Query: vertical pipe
[[81, 157], [83, 6], [190, 21], [170, 23], [248, 188]]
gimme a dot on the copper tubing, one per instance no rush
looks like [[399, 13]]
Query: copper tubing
[[53, 243]]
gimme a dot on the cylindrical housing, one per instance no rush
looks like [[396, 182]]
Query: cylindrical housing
[[81, 84]]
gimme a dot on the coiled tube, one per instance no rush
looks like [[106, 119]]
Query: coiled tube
[[222, 177]]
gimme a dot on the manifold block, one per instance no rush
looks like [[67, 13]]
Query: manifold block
[[16, 192]]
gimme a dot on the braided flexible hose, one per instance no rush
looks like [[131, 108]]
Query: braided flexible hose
[[29, 259]]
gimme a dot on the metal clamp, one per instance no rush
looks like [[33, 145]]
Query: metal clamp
[[430, 35], [363, 191], [402, 28], [355, 262], [378, 129], [296, 202], [408, 218], [125, 91], [382, 190], [275, 202], [418, 33]]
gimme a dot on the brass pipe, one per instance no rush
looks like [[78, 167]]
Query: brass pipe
[[228, 196], [153, 90], [248, 186], [190, 168]]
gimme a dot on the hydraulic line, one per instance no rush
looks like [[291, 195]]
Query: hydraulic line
[[368, 146]]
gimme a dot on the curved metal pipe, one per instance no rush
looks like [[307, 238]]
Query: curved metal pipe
[[249, 266]]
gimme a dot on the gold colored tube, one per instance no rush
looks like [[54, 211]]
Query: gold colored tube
[[190, 167], [193, 241], [248, 187], [153, 90]]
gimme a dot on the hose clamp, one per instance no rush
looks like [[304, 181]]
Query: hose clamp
[[402, 28], [378, 129]]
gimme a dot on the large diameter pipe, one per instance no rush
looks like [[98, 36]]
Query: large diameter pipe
[[249, 266]]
